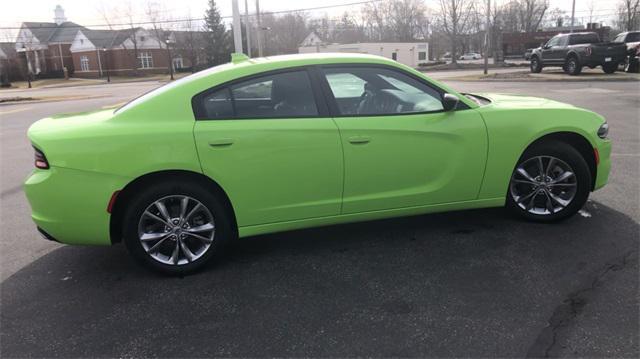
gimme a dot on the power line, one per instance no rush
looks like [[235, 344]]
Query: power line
[[199, 19]]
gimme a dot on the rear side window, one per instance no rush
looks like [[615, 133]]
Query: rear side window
[[280, 95], [578, 39]]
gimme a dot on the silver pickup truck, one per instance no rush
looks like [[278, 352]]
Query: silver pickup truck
[[575, 50]]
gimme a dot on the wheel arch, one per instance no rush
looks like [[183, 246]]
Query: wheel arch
[[129, 191], [575, 140]]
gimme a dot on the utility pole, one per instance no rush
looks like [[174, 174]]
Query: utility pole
[[486, 38], [247, 25], [573, 13], [259, 27], [237, 27]]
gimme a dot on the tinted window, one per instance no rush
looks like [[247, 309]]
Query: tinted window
[[286, 94], [218, 104], [378, 91], [577, 39], [633, 37]]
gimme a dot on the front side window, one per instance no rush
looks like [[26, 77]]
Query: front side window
[[84, 63], [281, 95], [553, 42], [145, 61], [379, 91]]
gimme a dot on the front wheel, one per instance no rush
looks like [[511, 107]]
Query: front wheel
[[176, 228], [551, 182], [536, 65]]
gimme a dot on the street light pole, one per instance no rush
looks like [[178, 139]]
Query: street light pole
[[259, 27], [106, 63], [486, 38], [168, 42], [573, 13], [247, 27], [26, 57], [237, 27]]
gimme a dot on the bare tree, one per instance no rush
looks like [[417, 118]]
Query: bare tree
[[531, 13], [454, 17], [628, 14], [395, 20], [153, 11]]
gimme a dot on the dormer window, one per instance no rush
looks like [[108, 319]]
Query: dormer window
[[81, 41], [142, 38]]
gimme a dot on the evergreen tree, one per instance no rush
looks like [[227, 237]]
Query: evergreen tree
[[218, 45]]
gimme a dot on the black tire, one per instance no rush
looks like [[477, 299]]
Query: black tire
[[610, 68], [563, 154], [572, 66], [222, 234], [536, 65]]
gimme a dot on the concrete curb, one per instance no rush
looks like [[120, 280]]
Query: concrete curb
[[49, 99]]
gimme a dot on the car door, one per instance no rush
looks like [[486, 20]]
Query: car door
[[270, 144], [549, 51], [401, 149]]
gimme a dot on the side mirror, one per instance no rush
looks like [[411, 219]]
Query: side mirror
[[449, 101]]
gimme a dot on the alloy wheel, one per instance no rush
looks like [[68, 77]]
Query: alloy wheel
[[176, 230], [543, 185]]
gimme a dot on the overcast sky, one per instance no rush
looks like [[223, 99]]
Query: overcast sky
[[87, 12]]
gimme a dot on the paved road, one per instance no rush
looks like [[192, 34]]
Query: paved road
[[472, 283]]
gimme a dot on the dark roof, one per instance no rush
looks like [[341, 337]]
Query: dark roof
[[47, 32], [107, 38]]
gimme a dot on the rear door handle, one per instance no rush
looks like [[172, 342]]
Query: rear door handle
[[358, 140], [221, 142]]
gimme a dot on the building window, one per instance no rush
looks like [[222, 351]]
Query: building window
[[84, 63], [422, 55], [394, 56], [145, 61], [177, 63]]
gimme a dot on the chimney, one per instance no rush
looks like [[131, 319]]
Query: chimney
[[59, 15]]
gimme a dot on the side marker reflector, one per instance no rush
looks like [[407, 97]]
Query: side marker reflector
[[112, 201]]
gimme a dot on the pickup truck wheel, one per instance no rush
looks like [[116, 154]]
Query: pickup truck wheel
[[572, 66], [610, 68], [536, 65]]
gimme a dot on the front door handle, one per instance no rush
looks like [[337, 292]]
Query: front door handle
[[358, 140], [221, 142]]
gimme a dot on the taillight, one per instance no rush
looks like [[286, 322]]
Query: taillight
[[588, 50], [40, 160]]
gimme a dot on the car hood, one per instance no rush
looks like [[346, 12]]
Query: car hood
[[521, 101]]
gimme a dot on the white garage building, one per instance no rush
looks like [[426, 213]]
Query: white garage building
[[408, 53]]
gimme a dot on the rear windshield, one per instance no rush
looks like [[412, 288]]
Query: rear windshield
[[583, 39]]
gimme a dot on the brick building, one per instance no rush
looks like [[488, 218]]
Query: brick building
[[46, 48]]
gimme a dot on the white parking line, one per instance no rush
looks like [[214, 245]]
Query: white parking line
[[14, 111]]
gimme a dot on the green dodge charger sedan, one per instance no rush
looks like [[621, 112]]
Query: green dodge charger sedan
[[273, 144]]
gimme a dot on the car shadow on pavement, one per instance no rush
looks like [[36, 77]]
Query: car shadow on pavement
[[470, 283]]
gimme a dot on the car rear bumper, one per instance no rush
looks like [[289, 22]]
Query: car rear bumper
[[69, 206]]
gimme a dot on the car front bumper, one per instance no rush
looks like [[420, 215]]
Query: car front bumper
[[604, 166], [71, 205]]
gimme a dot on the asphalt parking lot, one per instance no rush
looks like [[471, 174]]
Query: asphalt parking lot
[[465, 284]]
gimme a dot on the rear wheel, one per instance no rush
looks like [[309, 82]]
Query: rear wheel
[[536, 65], [572, 66], [609, 68], [551, 182], [176, 228]]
